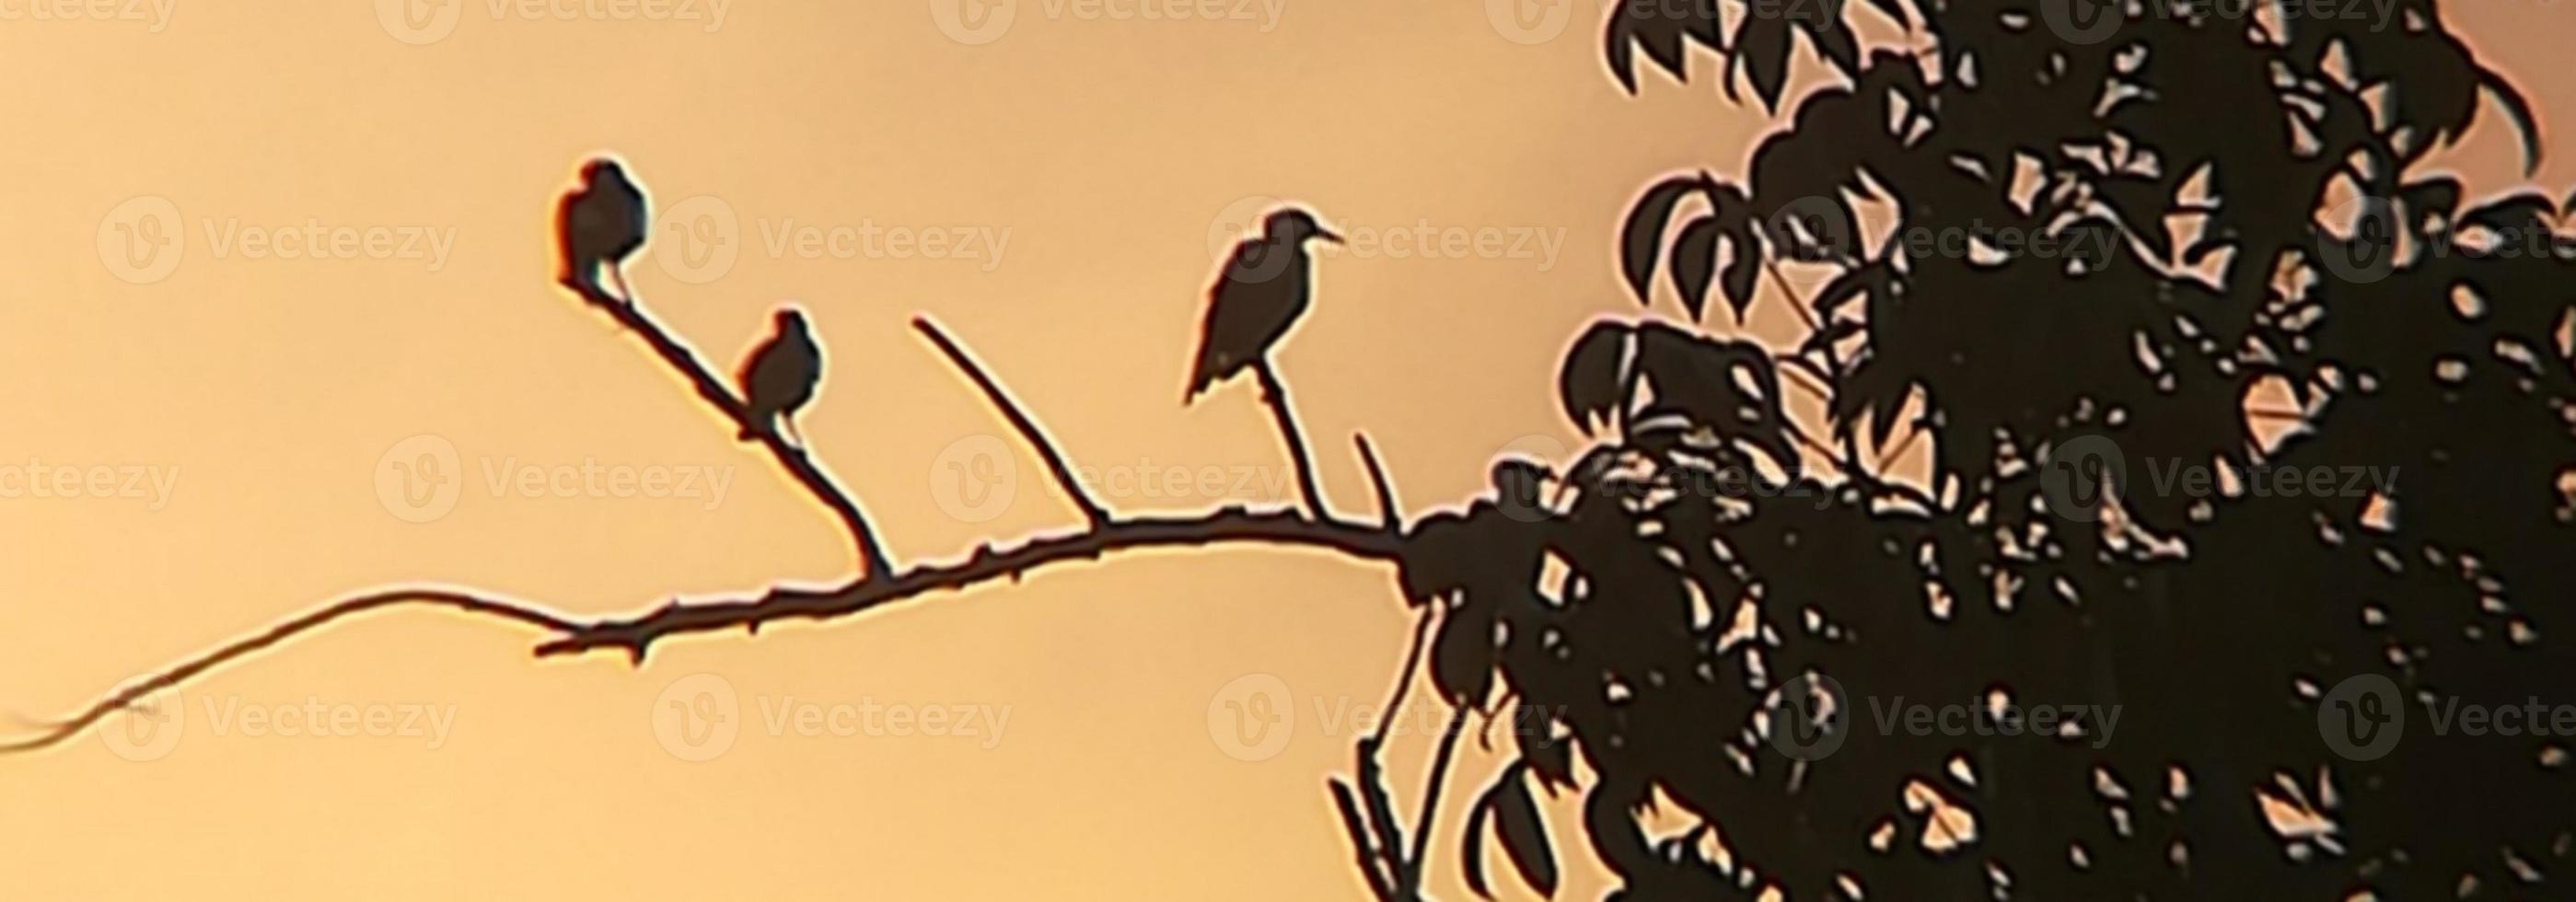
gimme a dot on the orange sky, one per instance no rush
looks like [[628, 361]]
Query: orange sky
[[265, 258]]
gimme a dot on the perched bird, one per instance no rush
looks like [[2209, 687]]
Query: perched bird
[[600, 224], [780, 375], [1264, 288]]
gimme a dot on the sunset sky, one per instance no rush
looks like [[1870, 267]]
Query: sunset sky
[[282, 322]]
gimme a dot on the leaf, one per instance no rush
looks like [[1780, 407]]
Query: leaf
[[1641, 239], [1524, 836], [1694, 256], [1589, 383], [1462, 656], [1834, 42], [1744, 268], [1763, 45], [1471, 846], [1620, 53], [1549, 757]]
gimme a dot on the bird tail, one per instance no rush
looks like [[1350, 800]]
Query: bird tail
[[1210, 368]]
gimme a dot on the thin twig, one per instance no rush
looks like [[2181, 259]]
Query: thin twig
[[1387, 512], [1275, 395], [1029, 429], [1431, 793], [122, 699], [1361, 844], [873, 562]]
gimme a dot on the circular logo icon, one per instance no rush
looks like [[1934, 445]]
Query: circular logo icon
[[1529, 21], [700, 239], [1519, 474], [1810, 718], [2081, 473], [141, 240], [973, 21], [2082, 21], [1811, 229], [1251, 718], [2363, 717], [148, 728], [418, 22], [1233, 240], [697, 717], [972, 478], [2370, 253], [419, 478]]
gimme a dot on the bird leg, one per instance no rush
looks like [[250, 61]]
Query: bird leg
[[787, 425], [625, 295]]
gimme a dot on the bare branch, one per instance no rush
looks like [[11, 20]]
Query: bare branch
[[1275, 395], [1387, 512], [873, 562], [1431, 792], [55, 733], [1029, 429], [1361, 844], [988, 562]]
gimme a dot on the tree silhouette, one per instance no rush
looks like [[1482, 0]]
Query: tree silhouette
[[2071, 242]]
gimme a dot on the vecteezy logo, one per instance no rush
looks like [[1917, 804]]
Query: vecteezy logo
[[141, 240], [699, 239], [1809, 229], [150, 728], [2363, 717], [1810, 718], [1237, 223], [2082, 21], [419, 479], [1251, 718], [972, 478], [1529, 21], [697, 717], [2370, 253], [418, 22], [2080, 476], [973, 21]]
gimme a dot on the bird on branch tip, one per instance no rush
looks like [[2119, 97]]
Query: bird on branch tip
[[780, 376], [598, 226], [1257, 298]]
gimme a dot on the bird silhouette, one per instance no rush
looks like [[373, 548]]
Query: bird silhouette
[[600, 224], [1263, 289], [780, 376]]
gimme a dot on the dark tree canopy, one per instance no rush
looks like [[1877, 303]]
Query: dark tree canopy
[[2067, 242]]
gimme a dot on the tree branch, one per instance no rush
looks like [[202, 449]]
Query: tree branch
[[1029, 430], [55, 733], [1275, 395], [873, 562], [1387, 512], [986, 563]]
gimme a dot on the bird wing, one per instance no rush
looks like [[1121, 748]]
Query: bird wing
[[1257, 296], [782, 374]]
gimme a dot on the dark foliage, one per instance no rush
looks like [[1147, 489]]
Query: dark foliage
[[2206, 200]]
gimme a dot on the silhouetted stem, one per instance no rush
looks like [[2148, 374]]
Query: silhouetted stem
[[1380, 883], [124, 698], [872, 556], [1431, 794], [1387, 511], [636, 634], [1029, 429], [1275, 395]]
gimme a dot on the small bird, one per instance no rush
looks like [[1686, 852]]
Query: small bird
[[600, 224], [1262, 291], [780, 375]]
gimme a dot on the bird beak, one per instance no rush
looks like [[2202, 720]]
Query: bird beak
[[1328, 235]]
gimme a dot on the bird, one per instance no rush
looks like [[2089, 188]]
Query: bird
[[1258, 296], [780, 376], [600, 224]]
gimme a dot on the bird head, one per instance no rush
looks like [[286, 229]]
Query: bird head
[[602, 170], [1293, 225], [790, 318]]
